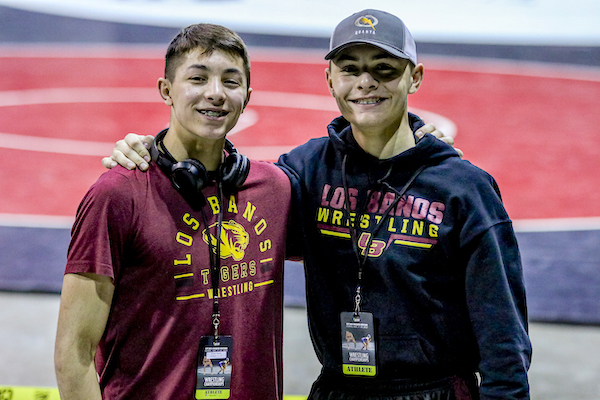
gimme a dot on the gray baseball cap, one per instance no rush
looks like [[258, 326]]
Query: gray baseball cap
[[377, 28]]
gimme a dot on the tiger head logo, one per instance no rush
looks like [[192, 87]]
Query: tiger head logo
[[234, 239]]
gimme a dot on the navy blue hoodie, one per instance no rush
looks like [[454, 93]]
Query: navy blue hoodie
[[444, 279]]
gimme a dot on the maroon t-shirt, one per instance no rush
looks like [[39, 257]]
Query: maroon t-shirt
[[135, 228]]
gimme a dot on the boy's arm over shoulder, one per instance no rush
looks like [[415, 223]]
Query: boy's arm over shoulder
[[130, 152], [84, 308], [435, 132], [297, 164]]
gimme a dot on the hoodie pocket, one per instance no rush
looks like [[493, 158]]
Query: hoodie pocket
[[400, 352]]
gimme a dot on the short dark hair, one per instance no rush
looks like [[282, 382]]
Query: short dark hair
[[208, 37]]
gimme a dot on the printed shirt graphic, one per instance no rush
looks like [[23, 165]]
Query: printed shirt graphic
[[412, 222], [234, 239], [135, 228]]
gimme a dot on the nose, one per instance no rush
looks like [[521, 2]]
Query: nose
[[215, 92], [367, 81]]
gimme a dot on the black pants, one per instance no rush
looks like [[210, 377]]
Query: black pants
[[329, 387]]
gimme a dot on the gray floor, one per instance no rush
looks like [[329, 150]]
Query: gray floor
[[566, 358]]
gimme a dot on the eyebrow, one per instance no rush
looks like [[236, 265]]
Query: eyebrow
[[205, 68]]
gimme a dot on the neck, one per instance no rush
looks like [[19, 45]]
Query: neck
[[385, 144], [208, 152]]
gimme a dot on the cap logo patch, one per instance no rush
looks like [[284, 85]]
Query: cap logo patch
[[366, 21]]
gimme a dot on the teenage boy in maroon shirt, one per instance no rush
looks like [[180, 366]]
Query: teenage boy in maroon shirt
[[165, 267]]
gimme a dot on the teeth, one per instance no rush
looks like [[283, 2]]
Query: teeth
[[368, 101], [213, 113]]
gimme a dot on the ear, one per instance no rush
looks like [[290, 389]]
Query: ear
[[329, 81], [417, 78], [164, 88], [247, 99]]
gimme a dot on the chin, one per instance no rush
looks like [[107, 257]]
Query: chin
[[209, 135], [368, 123]]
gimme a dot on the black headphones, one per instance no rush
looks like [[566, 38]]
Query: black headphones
[[189, 176]]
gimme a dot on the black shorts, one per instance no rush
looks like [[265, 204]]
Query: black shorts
[[450, 388]]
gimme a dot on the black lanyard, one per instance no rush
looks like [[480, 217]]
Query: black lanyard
[[214, 253], [363, 260]]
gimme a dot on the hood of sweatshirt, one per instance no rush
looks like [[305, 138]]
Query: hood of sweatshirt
[[428, 149]]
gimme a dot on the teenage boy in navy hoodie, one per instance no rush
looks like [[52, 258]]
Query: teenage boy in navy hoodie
[[402, 240]]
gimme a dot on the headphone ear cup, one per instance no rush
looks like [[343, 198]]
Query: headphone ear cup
[[234, 171], [189, 178]]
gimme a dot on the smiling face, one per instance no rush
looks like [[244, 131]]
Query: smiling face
[[371, 88], [207, 94]]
